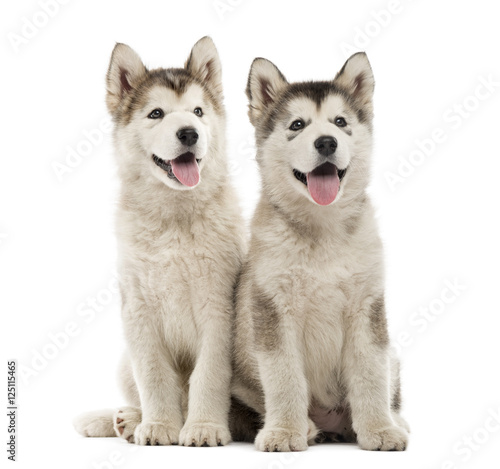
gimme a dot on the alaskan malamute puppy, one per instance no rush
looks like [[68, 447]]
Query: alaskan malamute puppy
[[181, 242], [311, 345]]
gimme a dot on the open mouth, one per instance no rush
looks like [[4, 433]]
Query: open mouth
[[183, 169], [323, 182]]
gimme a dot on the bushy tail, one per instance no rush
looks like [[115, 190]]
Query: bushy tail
[[98, 423]]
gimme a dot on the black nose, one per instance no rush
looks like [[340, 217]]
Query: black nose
[[187, 136], [326, 145]]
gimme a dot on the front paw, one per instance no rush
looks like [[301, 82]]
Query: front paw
[[156, 434], [386, 439], [204, 434], [281, 439]]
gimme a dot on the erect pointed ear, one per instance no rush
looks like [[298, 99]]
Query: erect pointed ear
[[265, 82], [124, 73], [356, 77], [204, 64]]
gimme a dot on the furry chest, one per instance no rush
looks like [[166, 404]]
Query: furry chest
[[316, 302], [174, 287], [322, 342]]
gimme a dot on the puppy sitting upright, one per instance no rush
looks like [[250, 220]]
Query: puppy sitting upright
[[180, 241], [311, 345]]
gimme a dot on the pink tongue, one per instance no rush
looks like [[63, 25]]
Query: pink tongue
[[323, 183], [186, 169]]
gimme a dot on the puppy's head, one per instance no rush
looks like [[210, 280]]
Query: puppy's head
[[166, 119], [314, 138]]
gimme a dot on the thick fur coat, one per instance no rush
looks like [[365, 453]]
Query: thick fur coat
[[181, 242], [311, 352]]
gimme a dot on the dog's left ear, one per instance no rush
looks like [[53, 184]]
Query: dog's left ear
[[356, 77], [204, 64]]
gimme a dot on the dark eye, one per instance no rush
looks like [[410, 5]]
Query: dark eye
[[340, 122], [297, 125], [198, 111], [156, 114]]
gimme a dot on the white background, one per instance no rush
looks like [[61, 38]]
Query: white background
[[439, 224]]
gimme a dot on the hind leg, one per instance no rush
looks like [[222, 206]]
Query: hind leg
[[127, 418], [396, 393], [103, 423], [127, 382]]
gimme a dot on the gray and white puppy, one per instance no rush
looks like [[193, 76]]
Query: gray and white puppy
[[181, 242], [311, 348]]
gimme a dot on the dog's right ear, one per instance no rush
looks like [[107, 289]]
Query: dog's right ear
[[265, 83], [124, 73]]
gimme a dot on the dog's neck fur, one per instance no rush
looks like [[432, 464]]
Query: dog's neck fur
[[339, 221]]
